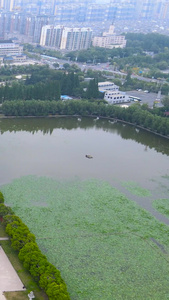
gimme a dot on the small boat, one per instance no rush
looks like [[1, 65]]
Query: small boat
[[88, 156]]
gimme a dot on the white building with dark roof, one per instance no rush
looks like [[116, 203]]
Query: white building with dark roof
[[116, 97], [112, 94], [107, 86], [9, 48]]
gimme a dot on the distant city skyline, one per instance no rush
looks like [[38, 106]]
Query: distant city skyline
[[27, 17]]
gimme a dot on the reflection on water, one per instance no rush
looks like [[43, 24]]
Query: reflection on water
[[57, 148], [47, 126]]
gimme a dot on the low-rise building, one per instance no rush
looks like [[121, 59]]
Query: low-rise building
[[116, 97], [9, 48], [19, 58], [111, 93], [110, 40], [107, 86], [14, 59]]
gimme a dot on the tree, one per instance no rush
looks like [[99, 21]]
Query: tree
[[66, 66], [128, 78], [51, 274], [19, 233], [92, 89], [11, 218], [1, 197], [57, 292], [56, 65], [165, 102], [5, 210]]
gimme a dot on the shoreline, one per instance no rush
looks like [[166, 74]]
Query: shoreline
[[93, 116]]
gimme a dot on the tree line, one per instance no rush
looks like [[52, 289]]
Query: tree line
[[45, 84], [23, 241], [40, 90], [141, 115]]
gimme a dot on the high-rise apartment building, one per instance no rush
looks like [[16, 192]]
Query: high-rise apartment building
[[8, 4], [76, 38], [51, 36], [122, 10], [163, 9], [148, 8], [66, 38], [89, 10], [40, 21], [5, 23]]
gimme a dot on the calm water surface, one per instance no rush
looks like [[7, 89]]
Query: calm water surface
[[57, 147]]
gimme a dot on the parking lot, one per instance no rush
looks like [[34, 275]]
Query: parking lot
[[146, 98]]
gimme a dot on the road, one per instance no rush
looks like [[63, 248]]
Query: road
[[100, 67]]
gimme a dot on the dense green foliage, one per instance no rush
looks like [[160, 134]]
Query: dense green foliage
[[154, 42], [135, 114], [165, 102], [42, 83], [1, 197], [44, 91], [19, 234], [23, 241], [92, 89], [5, 210], [107, 247]]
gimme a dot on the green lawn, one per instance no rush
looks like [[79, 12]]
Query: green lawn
[[105, 246]]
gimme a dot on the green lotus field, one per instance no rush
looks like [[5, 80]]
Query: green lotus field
[[104, 244]]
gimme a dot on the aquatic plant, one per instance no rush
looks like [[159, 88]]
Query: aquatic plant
[[105, 245]]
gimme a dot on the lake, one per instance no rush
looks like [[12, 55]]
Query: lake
[[105, 246], [56, 147]]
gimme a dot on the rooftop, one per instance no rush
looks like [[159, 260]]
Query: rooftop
[[5, 41]]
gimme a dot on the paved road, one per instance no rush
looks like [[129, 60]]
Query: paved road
[[9, 280], [99, 67]]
